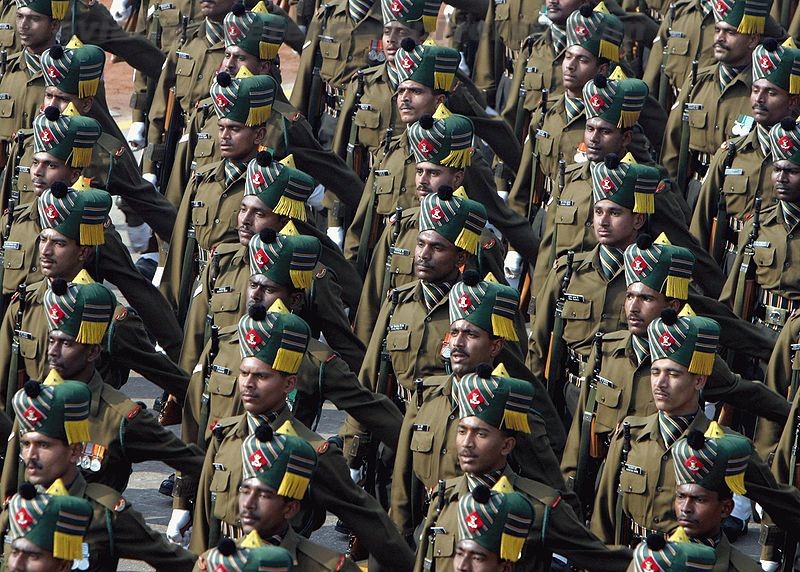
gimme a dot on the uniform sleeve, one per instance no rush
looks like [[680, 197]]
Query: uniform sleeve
[[158, 107], [542, 325], [603, 515], [294, 36], [570, 458], [302, 86], [183, 159], [368, 374], [135, 540], [670, 148], [195, 325], [170, 280], [11, 461], [483, 71], [371, 295], [728, 295], [782, 459], [347, 278], [652, 71], [341, 136], [337, 493], [403, 474], [780, 501], [352, 238], [706, 208], [519, 198], [202, 504], [6, 337]]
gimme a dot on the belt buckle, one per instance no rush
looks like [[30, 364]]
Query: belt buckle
[[775, 316]]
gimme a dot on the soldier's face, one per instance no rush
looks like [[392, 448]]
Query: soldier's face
[[786, 181], [578, 67], [470, 346], [643, 305], [430, 176], [731, 47], [47, 169], [237, 141], [614, 225], [255, 216], [436, 258], [47, 459], [25, 556], [700, 511], [481, 447], [71, 359], [236, 58], [602, 137], [35, 30], [415, 100], [559, 10], [265, 291], [215, 9], [263, 510], [769, 102], [59, 256], [393, 34], [61, 99], [262, 388], [675, 390], [472, 557]]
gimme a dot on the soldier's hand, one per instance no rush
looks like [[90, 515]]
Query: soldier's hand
[[512, 265], [178, 525], [136, 134], [121, 10], [336, 234], [151, 178], [315, 199], [139, 237], [768, 566]]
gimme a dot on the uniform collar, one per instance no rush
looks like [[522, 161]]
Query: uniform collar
[[96, 386], [651, 432]]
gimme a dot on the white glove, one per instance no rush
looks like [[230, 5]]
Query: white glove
[[503, 195], [178, 524], [136, 135], [336, 234], [769, 566], [139, 237], [315, 200], [120, 10], [512, 265], [151, 178]]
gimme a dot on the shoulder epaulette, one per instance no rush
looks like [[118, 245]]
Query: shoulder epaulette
[[616, 335], [322, 555], [106, 497], [234, 329], [434, 380], [226, 248], [579, 258]]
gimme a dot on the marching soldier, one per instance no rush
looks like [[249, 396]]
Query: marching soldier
[[493, 413], [250, 558], [273, 345], [53, 449], [703, 497], [120, 433], [741, 169], [278, 464], [636, 490]]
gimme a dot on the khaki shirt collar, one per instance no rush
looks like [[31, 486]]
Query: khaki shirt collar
[[651, 431], [96, 386]]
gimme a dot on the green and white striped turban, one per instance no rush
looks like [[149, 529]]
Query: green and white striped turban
[[288, 260], [619, 102], [431, 65], [784, 141], [485, 303], [690, 341], [245, 98], [460, 221], [257, 32], [778, 64], [67, 136], [655, 554], [596, 30], [75, 69], [77, 214], [278, 339], [59, 411], [443, 138], [82, 309], [715, 460], [500, 401], [283, 189], [254, 555], [410, 12], [662, 267], [630, 185]]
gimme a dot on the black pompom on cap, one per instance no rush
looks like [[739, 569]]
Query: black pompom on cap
[[445, 192], [586, 10], [644, 241], [611, 161], [224, 79], [669, 316], [257, 312], [600, 81], [59, 286], [471, 277], [481, 494], [226, 546], [656, 542], [264, 158], [56, 52], [408, 44], [32, 388], [264, 433], [770, 44], [484, 370], [426, 121], [696, 439], [52, 113], [27, 491], [238, 9], [59, 189], [268, 235], [788, 124]]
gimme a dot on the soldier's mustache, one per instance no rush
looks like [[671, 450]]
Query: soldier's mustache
[[32, 464]]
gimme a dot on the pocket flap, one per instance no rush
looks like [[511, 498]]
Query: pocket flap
[[225, 302], [184, 67], [422, 441], [697, 118], [534, 81], [764, 256], [574, 310], [329, 50], [220, 384], [200, 215], [204, 148], [608, 396], [502, 11], [545, 145], [368, 118], [402, 264], [14, 259], [6, 108], [678, 46], [219, 482], [384, 185], [398, 340], [28, 348], [630, 482], [444, 545], [736, 184], [566, 214]]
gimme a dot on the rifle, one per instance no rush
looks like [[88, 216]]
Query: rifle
[[3, 62], [683, 154], [355, 160], [620, 533], [562, 166], [396, 228], [12, 205], [16, 374], [588, 425], [719, 225], [795, 379], [537, 178], [187, 274], [555, 353], [663, 80], [790, 542], [745, 282], [367, 232], [519, 115], [171, 136], [205, 404], [429, 563]]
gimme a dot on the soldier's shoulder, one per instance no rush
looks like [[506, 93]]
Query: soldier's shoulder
[[326, 558], [106, 497], [204, 170], [406, 290], [120, 403], [320, 351], [579, 258], [228, 422], [371, 73], [434, 380], [227, 331], [13, 58], [707, 71], [573, 167], [539, 491], [615, 336], [227, 248]]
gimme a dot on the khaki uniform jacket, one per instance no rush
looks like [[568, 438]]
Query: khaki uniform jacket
[[712, 124], [331, 489], [729, 558], [427, 450], [306, 556], [625, 391], [392, 179], [125, 346], [110, 261], [226, 301], [556, 528], [648, 483], [749, 174], [123, 434], [339, 47], [21, 97], [401, 268]]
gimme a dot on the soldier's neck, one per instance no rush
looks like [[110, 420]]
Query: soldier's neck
[[69, 476], [68, 277], [40, 50], [274, 537]]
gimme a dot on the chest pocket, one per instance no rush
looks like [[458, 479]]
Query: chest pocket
[[169, 18], [736, 184], [28, 348], [398, 340], [369, 123], [608, 399], [444, 545], [763, 256], [502, 12], [220, 484], [384, 191], [575, 310], [678, 46], [6, 35], [566, 214], [545, 145], [633, 483], [184, 75], [200, 216], [204, 148], [534, 81], [14, 259], [221, 384], [225, 302], [330, 58], [7, 108], [697, 128], [422, 444], [402, 264]]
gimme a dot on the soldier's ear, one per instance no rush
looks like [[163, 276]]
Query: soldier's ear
[[295, 299], [94, 352], [261, 132], [458, 178], [603, 69], [74, 175], [85, 105], [291, 509]]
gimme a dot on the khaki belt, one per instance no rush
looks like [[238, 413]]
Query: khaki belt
[[229, 530], [639, 532], [777, 310]]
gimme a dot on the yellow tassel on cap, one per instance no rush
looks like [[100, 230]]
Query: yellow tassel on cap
[[644, 203], [287, 429], [290, 229], [714, 431], [88, 87], [736, 484], [628, 119], [53, 378], [267, 50], [83, 277], [81, 157], [490, 278], [74, 42], [702, 363], [461, 192], [679, 536], [511, 547], [429, 23], [291, 208], [504, 328], [687, 310], [70, 111], [609, 50], [442, 112], [618, 74], [516, 421], [794, 84], [77, 431], [500, 370], [82, 184], [67, 546], [57, 489], [467, 240], [258, 115], [677, 288], [252, 540], [91, 333], [59, 9], [260, 8], [278, 307], [92, 234], [301, 279], [287, 361], [751, 24], [293, 486], [288, 161], [443, 80], [458, 159]]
